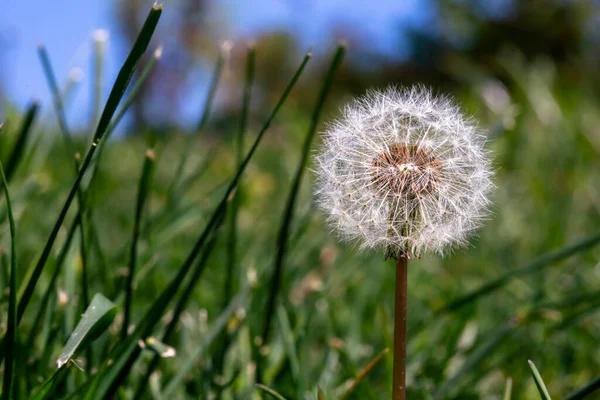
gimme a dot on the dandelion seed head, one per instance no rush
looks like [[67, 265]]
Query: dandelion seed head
[[405, 172]]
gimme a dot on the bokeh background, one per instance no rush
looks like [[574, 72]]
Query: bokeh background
[[527, 70]]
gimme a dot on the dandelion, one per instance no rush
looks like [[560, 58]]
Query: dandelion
[[406, 173]]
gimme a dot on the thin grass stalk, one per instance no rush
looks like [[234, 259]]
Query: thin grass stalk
[[232, 237], [100, 37], [535, 265], [143, 189], [60, 260], [17, 151], [589, 388], [212, 91], [111, 105], [125, 352], [284, 230], [56, 97], [83, 251], [10, 337], [400, 309], [177, 311], [123, 110]]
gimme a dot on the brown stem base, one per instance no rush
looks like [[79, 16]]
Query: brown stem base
[[399, 377]]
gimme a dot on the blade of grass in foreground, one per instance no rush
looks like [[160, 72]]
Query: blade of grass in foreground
[[17, 152], [109, 109], [535, 265], [231, 277], [11, 329], [539, 382], [589, 388], [143, 189], [58, 103], [52, 285], [125, 353], [282, 238], [121, 113]]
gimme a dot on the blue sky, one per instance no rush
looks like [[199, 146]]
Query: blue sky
[[66, 28]]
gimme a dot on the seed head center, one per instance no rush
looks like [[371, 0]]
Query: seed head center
[[406, 170]]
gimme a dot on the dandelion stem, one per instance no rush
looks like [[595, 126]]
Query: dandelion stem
[[399, 377]]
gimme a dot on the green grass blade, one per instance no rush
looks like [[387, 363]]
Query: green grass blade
[[53, 281], [231, 283], [539, 382], [115, 96], [56, 97], [535, 265], [126, 350], [127, 70], [143, 190], [17, 152], [589, 388], [284, 230], [270, 391], [95, 321], [123, 110], [11, 329]]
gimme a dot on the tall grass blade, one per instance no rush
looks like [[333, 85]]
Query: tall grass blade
[[539, 382], [56, 98], [17, 151], [581, 393], [95, 321], [111, 105], [11, 328], [533, 266], [143, 189], [284, 230], [62, 255], [126, 351], [123, 110], [232, 222]]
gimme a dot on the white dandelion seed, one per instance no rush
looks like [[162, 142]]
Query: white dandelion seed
[[405, 172]]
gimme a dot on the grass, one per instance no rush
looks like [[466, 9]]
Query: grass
[[233, 267]]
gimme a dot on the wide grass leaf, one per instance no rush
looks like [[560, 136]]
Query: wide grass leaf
[[96, 320]]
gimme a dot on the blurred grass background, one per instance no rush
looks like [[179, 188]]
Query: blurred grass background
[[528, 74]]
